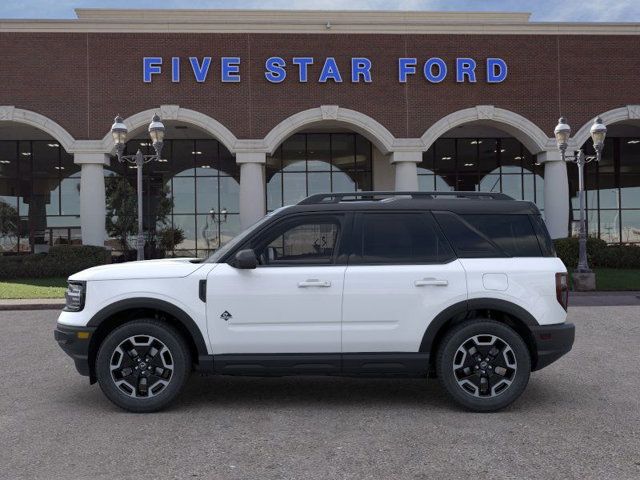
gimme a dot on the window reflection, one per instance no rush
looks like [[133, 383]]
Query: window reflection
[[200, 180], [612, 191], [39, 196], [309, 163], [482, 164]]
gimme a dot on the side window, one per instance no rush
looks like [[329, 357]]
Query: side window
[[512, 233], [467, 241], [397, 238], [303, 242]]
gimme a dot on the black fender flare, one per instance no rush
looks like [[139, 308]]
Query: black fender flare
[[155, 304], [462, 308]]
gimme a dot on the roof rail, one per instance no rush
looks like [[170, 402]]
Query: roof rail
[[360, 196]]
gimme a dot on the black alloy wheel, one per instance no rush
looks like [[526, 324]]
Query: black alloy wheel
[[483, 364], [142, 365]]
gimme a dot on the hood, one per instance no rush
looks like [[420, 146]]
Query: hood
[[165, 268]]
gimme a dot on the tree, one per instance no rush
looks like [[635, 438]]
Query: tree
[[9, 224], [122, 211]]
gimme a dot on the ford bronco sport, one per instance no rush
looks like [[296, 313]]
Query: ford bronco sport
[[459, 285]]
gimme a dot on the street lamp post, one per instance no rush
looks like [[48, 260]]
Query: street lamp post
[[562, 133], [216, 220], [156, 132]]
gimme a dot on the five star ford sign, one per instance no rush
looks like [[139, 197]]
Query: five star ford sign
[[276, 69]]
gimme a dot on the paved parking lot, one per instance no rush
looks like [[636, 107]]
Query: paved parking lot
[[579, 418]]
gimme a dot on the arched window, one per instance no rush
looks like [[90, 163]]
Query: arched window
[[482, 164], [612, 188], [193, 190], [308, 163], [39, 196]]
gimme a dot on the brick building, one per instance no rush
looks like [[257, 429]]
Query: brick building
[[263, 108]]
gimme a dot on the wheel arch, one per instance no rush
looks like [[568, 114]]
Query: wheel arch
[[126, 310], [491, 308]]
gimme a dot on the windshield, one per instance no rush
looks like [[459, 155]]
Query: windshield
[[238, 239]]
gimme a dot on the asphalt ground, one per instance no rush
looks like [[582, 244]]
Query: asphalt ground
[[578, 418]]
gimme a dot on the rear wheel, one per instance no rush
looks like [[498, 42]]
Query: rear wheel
[[484, 365], [142, 365]]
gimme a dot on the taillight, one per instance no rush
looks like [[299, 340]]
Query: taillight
[[562, 289]]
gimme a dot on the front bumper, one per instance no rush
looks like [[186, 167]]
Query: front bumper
[[552, 342], [75, 343]]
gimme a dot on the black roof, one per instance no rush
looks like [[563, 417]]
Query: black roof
[[457, 202]]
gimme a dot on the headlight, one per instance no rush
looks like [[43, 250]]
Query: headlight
[[74, 296]]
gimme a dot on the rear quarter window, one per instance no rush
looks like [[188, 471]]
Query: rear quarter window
[[544, 239], [467, 241], [514, 234]]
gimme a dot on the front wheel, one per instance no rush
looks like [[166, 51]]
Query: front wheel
[[142, 365], [483, 365]]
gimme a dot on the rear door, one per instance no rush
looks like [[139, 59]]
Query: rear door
[[401, 274]]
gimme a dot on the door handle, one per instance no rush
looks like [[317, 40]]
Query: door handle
[[436, 282], [312, 282]]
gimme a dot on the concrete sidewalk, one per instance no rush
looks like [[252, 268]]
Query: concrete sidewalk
[[604, 299], [576, 299]]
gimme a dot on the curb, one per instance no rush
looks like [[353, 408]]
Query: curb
[[17, 305]]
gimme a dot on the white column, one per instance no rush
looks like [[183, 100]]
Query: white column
[[556, 194], [406, 166], [252, 187], [92, 197]]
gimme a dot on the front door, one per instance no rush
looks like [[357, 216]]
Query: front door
[[401, 275], [291, 303]]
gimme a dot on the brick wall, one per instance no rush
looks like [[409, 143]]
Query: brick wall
[[82, 80]]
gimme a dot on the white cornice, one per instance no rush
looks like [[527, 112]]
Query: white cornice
[[304, 21], [297, 16]]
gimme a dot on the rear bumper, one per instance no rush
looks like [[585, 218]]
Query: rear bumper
[[552, 342], [75, 343]]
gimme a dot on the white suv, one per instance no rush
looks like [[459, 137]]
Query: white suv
[[463, 286]]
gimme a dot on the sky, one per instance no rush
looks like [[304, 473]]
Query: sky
[[542, 10]]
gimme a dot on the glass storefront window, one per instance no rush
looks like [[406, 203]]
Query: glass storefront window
[[482, 164], [613, 190], [39, 196], [197, 185], [308, 163]]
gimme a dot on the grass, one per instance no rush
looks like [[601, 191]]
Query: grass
[[614, 279], [607, 279], [27, 288]]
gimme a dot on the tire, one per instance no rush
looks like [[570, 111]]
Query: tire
[[143, 345], [461, 370]]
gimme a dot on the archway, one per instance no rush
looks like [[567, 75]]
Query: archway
[[191, 196], [328, 116], [324, 149], [482, 156], [515, 125], [612, 185], [138, 123]]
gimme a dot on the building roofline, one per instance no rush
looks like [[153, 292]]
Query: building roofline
[[261, 15], [310, 21]]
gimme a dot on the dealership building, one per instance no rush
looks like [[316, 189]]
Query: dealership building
[[263, 108]]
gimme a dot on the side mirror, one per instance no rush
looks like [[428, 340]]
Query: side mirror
[[246, 259]]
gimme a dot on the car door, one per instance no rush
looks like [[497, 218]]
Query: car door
[[400, 276], [290, 303]]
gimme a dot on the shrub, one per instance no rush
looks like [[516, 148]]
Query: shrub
[[169, 237], [568, 250], [599, 254], [619, 256], [61, 261]]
